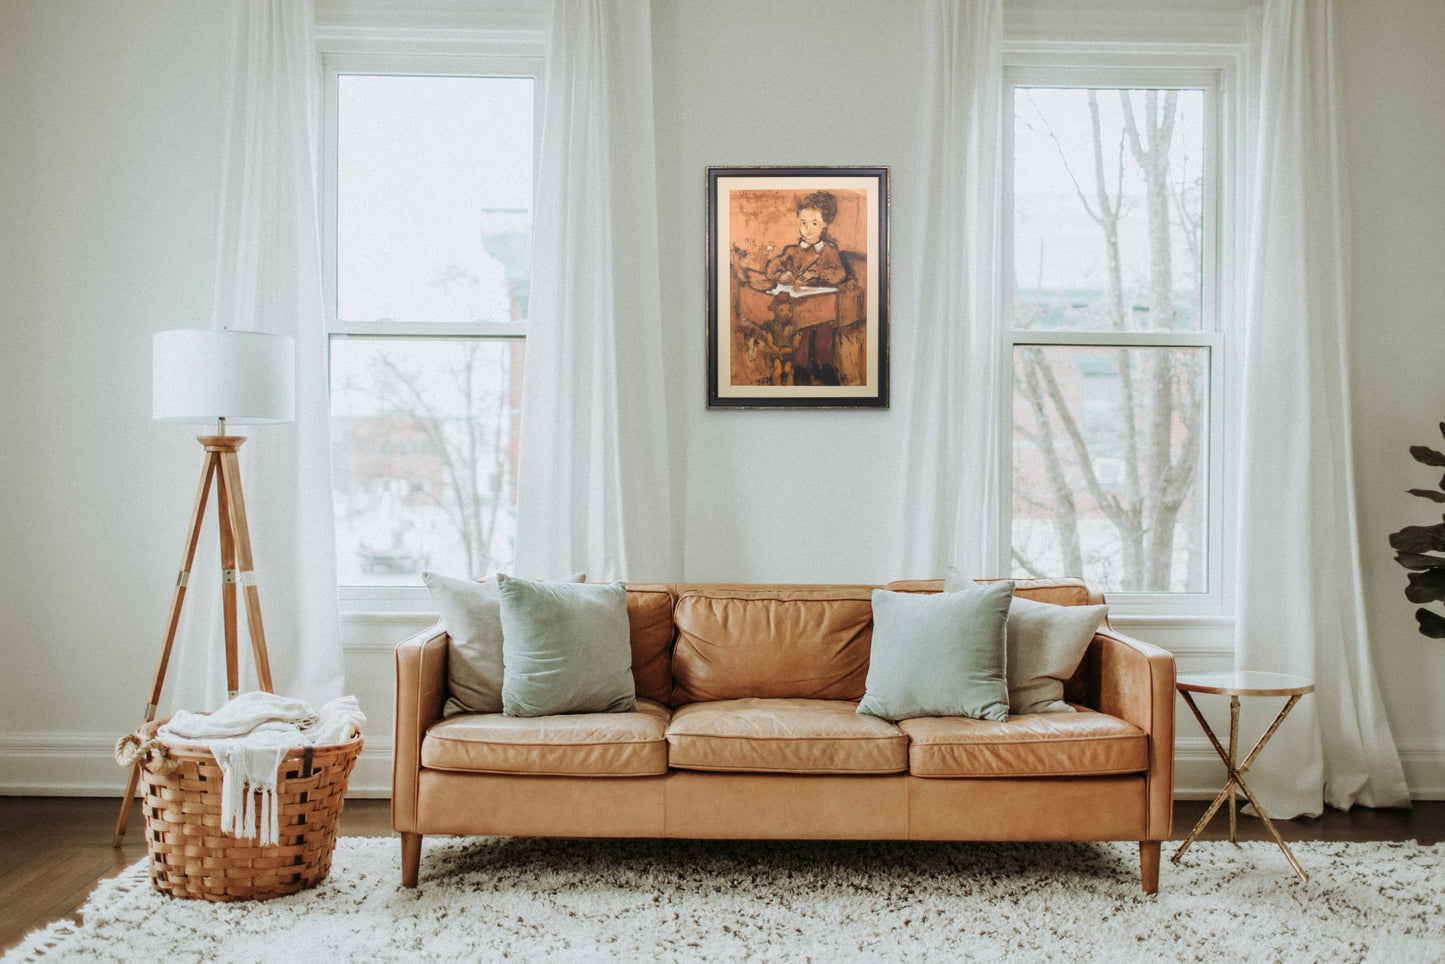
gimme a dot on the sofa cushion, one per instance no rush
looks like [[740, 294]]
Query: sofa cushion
[[1067, 591], [939, 655], [574, 744], [777, 643], [472, 614], [1046, 642], [1083, 743], [649, 617], [784, 736], [565, 648]]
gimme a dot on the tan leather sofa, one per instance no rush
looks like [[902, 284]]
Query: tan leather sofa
[[746, 729]]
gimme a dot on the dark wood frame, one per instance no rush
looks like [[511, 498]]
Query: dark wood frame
[[728, 260]]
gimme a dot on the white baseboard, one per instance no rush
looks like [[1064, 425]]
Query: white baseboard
[[60, 765], [1424, 765], [1198, 772], [371, 779], [83, 765]]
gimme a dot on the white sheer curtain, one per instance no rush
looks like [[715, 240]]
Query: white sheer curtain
[[948, 501], [594, 479], [268, 278], [1300, 598]]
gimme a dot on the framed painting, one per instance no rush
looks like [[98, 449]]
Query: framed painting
[[797, 287]]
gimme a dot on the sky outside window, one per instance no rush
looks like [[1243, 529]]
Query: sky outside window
[[424, 163]]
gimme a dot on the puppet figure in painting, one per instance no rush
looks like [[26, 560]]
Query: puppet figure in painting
[[778, 339]]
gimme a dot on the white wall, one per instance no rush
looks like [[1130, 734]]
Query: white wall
[[107, 222], [1393, 53], [801, 496], [107, 208]]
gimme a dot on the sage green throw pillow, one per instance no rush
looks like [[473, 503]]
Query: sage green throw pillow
[[939, 655], [471, 612], [565, 648]]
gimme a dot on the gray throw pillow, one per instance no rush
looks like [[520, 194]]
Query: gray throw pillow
[[566, 648], [471, 612], [1045, 644], [939, 655]]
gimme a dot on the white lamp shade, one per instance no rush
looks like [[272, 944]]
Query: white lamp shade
[[205, 374]]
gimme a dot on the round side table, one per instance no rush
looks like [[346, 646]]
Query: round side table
[[1235, 685]]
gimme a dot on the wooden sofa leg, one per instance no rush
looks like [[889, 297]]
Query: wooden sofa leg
[[411, 858], [1148, 865]]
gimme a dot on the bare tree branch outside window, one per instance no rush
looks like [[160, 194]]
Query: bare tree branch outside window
[[431, 241], [1108, 439]]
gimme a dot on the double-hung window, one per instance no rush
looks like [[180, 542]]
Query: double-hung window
[[429, 165], [1117, 304]]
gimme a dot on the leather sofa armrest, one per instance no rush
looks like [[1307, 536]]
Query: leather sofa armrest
[[421, 692], [1134, 680]]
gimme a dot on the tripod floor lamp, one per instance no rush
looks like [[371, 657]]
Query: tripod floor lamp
[[218, 375]]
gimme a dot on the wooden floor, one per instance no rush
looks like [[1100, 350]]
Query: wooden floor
[[53, 850]]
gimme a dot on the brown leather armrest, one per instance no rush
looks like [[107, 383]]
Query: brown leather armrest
[[421, 692], [1134, 680]]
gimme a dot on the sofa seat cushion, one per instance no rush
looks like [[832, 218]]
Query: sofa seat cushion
[[1083, 743], [631, 744], [788, 735]]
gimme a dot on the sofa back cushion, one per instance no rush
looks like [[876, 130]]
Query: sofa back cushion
[[1066, 591], [780, 642], [649, 614]]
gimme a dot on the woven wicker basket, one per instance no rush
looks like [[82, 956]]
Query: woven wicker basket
[[191, 857]]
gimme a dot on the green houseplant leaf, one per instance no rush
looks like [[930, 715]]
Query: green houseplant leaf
[[1419, 538], [1431, 624], [1427, 586], [1429, 456], [1418, 548], [1412, 560]]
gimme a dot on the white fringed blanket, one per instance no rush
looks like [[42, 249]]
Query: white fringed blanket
[[249, 737]]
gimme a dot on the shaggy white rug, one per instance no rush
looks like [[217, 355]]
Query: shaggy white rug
[[493, 899]]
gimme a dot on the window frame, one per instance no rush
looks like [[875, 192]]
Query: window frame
[[1218, 71], [461, 57]]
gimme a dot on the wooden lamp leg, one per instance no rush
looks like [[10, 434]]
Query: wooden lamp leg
[[193, 536], [236, 506], [223, 468], [228, 580]]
